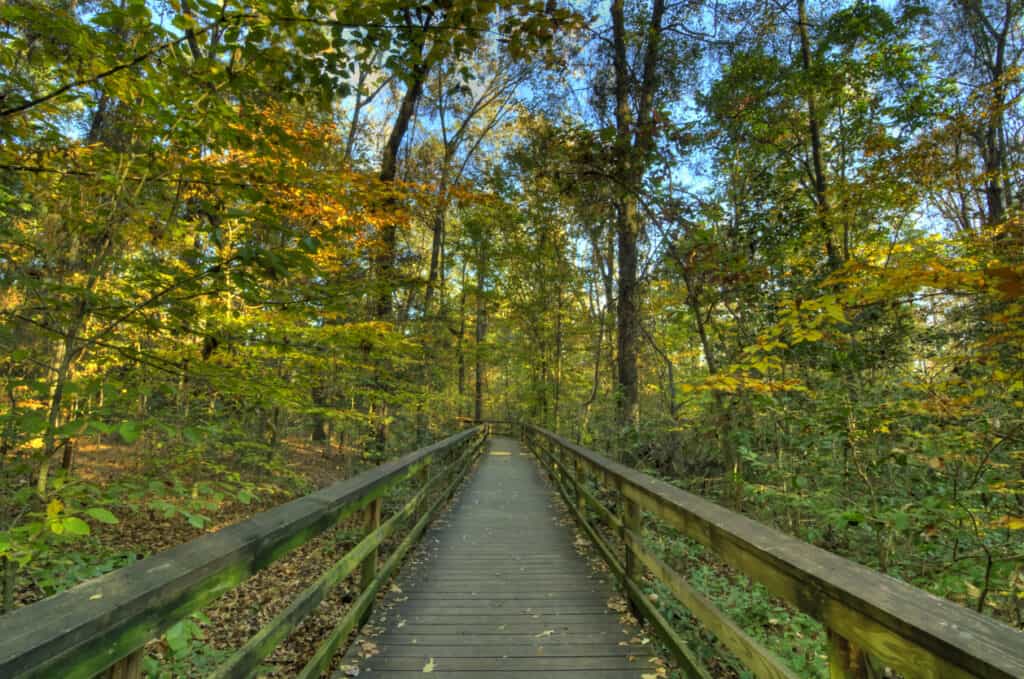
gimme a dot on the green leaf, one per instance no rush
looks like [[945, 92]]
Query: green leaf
[[100, 427], [900, 521], [33, 422], [75, 526], [151, 666], [129, 431], [102, 515], [178, 637]]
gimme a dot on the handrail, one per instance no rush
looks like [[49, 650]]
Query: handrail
[[867, 614], [87, 629], [502, 427]]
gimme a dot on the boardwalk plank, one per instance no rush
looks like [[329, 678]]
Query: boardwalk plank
[[498, 589]]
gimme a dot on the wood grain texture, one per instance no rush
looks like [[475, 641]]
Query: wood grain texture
[[84, 630], [913, 631], [498, 589]]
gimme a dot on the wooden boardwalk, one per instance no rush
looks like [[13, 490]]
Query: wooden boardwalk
[[498, 589]]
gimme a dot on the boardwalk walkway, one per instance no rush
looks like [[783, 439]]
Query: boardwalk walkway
[[497, 589]]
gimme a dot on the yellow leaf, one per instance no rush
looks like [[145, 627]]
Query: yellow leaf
[[429, 667], [53, 509]]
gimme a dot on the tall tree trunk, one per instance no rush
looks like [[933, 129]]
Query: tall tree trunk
[[634, 141], [627, 229], [481, 335], [437, 233], [460, 344], [62, 362], [437, 237], [357, 108], [821, 199], [628, 314], [558, 358], [385, 259]]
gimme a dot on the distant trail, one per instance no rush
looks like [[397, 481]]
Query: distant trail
[[497, 588]]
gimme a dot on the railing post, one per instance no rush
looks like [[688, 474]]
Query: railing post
[[451, 462], [632, 521], [368, 569], [424, 480], [8, 577], [128, 667], [425, 474], [581, 502], [845, 660]]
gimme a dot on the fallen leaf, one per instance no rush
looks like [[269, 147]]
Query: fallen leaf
[[429, 667]]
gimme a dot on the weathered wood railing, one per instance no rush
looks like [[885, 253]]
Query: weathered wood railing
[[870, 618], [105, 623], [511, 428]]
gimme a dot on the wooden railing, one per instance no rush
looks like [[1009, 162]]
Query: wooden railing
[[872, 620], [510, 428], [104, 623]]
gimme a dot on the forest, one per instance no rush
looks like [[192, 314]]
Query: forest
[[768, 251]]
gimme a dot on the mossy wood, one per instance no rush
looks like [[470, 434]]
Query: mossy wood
[[690, 665], [247, 658], [81, 632], [357, 613], [869, 614], [748, 650]]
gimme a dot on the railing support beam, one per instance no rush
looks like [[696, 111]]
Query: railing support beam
[[845, 660], [129, 667], [632, 520], [368, 570], [884, 623]]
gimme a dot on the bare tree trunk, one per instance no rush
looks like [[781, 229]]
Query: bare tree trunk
[[558, 358], [598, 351], [63, 361], [628, 311], [821, 199], [353, 128], [385, 259], [634, 140], [481, 335], [460, 344], [437, 231]]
